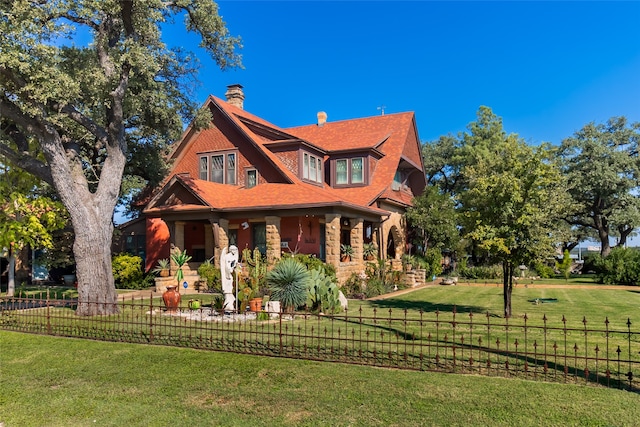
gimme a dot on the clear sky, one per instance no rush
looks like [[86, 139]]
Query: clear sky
[[546, 68]]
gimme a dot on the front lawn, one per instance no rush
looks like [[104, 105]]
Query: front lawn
[[47, 381]]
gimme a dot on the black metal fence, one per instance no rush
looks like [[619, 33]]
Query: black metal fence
[[478, 343]]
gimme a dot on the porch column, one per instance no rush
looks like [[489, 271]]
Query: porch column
[[357, 238], [332, 239], [179, 235], [176, 230], [223, 237], [273, 238]]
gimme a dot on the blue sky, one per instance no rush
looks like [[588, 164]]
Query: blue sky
[[546, 68]]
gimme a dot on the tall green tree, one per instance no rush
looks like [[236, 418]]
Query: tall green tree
[[73, 115], [602, 165], [433, 217], [513, 198]]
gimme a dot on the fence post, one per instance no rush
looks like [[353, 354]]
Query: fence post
[[151, 314], [48, 315]]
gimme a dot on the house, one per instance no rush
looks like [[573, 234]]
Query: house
[[309, 189]]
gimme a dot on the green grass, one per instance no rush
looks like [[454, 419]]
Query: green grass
[[596, 305], [574, 279], [51, 382]]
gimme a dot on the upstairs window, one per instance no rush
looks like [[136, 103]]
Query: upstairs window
[[399, 181], [350, 171], [252, 178], [311, 168], [220, 168]]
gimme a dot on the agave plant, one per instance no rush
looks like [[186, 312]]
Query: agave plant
[[288, 283]]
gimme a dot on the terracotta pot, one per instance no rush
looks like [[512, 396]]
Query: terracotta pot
[[172, 298], [164, 273], [255, 304]]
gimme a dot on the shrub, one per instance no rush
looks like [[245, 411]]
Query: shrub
[[620, 267], [312, 262], [352, 287], [288, 283], [481, 272], [543, 270], [431, 262], [210, 274], [128, 274]]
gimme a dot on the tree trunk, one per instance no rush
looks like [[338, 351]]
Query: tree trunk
[[92, 252], [603, 234], [507, 280], [92, 219], [11, 274]]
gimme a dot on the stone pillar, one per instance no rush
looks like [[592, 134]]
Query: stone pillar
[[179, 235], [332, 239], [223, 238], [273, 238], [357, 238]]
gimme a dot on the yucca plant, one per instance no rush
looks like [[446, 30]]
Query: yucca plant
[[288, 283], [180, 259]]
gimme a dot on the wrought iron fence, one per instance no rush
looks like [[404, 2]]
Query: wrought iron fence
[[477, 343]]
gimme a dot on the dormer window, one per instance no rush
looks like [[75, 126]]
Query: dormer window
[[350, 171], [311, 168], [220, 168]]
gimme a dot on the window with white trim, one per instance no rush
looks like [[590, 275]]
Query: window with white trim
[[311, 167]]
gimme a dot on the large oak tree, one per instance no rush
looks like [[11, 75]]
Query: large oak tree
[[75, 115], [602, 166]]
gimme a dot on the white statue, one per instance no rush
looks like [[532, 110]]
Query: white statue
[[228, 264]]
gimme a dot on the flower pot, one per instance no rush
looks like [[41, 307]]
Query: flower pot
[[164, 273], [255, 304], [194, 304], [171, 298], [345, 258]]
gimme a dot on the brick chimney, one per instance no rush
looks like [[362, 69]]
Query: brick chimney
[[235, 95], [322, 118]]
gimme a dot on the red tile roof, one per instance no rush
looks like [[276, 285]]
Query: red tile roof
[[394, 135]]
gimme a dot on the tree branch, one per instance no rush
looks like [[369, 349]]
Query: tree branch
[[25, 162]]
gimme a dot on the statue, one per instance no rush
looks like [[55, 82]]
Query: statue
[[228, 264]]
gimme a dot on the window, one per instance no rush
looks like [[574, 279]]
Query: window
[[341, 172], [231, 168], [252, 178], [398, 181], [220, 168], [311, 168], [357, 173], [350, 171], [204, 168], [217, 169]]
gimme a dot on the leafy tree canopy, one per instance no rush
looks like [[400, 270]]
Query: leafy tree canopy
[[75, 115], [602, 166]]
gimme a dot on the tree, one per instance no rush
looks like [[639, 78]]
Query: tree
[[73, 115], [27, 217], [433, 218], [513, 198], [602, 166]]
